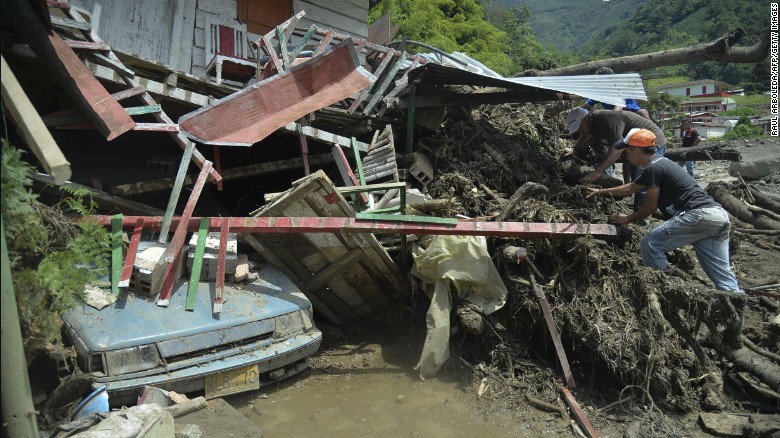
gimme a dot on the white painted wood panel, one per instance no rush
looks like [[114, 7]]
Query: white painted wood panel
[[200, 38], [227, 8], [322, 13], [140, 27]]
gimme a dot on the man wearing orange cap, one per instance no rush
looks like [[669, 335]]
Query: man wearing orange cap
[[694, 217]]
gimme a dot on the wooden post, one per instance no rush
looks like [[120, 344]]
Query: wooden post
[[32, 128], [197, 264], [116, 252], [173, 252], [66, 67], [223, 238], [127, 270]]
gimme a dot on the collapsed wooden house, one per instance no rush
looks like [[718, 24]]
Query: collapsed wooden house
[[310, 90]]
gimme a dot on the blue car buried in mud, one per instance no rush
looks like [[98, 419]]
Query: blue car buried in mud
[[264, 333]]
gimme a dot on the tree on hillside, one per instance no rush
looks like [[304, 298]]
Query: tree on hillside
[[449, 25], [722, 49], [524, 49]]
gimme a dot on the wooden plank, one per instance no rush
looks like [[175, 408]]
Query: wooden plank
[[32, 127], [101, 198], [156, 127], [379, 91], [197, 263], [71, 24], [334, 268], [130, 92], [358, 165], [286, 225], [232, 174], [110, 63], [68, 70], [146, 109], [173, 199], [87, 45], [304, 149], [579, 414], [388, 56], [127, 269], [553, 331], [182, 141], [253, 113], [324, 250], [406, 218], [324, 136], [296, 272], [116, 252], [58, 4], [174, 249], [220, 288]]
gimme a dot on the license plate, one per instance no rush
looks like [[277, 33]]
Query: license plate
[[232, 382]]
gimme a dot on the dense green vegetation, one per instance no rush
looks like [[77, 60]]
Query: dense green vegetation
[[627, 27], [568, 24], [499, 37], [449, 25], [52, 254]]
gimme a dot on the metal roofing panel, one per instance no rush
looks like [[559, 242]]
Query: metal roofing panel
[[611, 89]]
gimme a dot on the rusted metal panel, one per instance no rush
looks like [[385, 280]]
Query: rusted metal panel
[[253, 113]]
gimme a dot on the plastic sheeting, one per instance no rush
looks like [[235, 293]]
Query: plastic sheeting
[[447, 265]]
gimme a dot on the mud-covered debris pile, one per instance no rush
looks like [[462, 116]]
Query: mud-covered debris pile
[[613, 313]]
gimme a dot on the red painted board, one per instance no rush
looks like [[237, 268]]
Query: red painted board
[[297, 225], [249, 115]]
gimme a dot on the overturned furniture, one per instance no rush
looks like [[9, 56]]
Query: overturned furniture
[[347, 276]]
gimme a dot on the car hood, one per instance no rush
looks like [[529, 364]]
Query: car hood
[[135, 319]]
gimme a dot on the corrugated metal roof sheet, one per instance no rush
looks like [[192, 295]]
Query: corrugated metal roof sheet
[[611, 89]]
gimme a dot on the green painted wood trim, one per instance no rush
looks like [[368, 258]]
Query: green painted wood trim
[[358, 162], [197, 264], [147, 109], [116, 252], [407, 218]]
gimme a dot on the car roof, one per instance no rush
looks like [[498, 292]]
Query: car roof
[[135, 319]]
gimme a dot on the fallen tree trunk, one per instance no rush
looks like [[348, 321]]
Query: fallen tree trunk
[[763, 200], [720, 49], [576, 172], [525, 191], [716, 151], [737, 208]]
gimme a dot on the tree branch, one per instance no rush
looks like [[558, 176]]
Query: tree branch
[[720, 49]]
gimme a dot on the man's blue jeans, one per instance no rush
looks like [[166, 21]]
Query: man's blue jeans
[[689, 166], [707, 229]]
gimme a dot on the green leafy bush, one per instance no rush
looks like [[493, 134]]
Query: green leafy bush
[[53, 251]]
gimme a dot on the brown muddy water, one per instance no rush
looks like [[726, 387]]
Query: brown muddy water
[[367, 386]]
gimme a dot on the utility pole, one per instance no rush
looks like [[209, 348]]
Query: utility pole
[[18, 410]]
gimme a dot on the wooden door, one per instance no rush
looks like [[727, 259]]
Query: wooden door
[[261, 16]]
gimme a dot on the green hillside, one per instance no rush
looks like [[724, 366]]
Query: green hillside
[[569, 24], [598, 29]]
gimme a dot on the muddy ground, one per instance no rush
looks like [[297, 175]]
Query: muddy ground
[[646, 350]]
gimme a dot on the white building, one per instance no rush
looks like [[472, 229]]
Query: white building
[[186, 35], [705, 87]]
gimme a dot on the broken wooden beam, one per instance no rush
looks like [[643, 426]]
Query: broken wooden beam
[[105, 201], [232, 174], [297, 225], [249, 115], [706, 152], [32, 128], [66, 67]]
